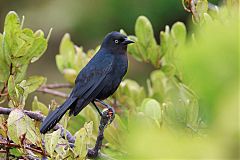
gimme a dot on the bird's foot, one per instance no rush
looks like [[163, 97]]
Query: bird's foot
[[109, 113]]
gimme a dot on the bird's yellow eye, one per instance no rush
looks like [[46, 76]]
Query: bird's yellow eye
[[116, 41]]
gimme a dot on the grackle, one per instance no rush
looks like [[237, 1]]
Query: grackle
[[98, 80]]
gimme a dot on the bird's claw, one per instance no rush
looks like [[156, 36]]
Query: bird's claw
[[109, 113]]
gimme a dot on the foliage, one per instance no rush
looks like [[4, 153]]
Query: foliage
[[72, 58], [149, 120]]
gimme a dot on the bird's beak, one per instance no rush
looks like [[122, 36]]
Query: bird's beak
[[127, 41]]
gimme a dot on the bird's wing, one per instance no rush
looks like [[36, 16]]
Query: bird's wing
[[89, 81]]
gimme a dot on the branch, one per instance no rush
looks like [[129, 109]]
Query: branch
[[57, 85], [48, 88], [10, 145], [3, 90], [53, 92], [93, 153]]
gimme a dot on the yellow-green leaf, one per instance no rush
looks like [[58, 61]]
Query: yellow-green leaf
[[51, 141], [18, 124], [130, 93], [91, 115], [151, 108], [4, 68], [70, 75], [38, 106], [179, 33], [11, 32], [34, 82], [144, 31], [201, 8], [67, 50], [11, 89], [165, 40], [80, 146]]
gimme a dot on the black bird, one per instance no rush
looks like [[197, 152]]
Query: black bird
[[98, 80]]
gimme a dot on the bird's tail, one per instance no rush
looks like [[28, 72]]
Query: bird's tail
[[54, 117]]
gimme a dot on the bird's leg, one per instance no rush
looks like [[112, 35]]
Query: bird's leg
[[107, 116], [111, 111], [103, 103], [100, 113]]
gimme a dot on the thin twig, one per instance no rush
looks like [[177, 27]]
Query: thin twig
[[10, 145], [3, 89], [4, 94], [48, 88], [3, 151], [57, 85], [53, 92]]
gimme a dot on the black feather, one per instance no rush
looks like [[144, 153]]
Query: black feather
[[54, 117]]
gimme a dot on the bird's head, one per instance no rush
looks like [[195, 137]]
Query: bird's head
[[116, 41]]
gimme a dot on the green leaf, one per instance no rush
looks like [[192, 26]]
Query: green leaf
[[89, 128], [141, 50], [16, 152], [62, 149], [112, 136], [130, 93], [146, 43], [51, 141], [34, 82], [179, 33], [159, 82], [25, 41], [20, 47], [39, 33], [67, 51], [19, 124], [115, 133], [154, 53], [165, 40], [11, 89], [144, 31], [33, 51], [91, 115], [11, 32], [201, 8], [169, 70], [60, 63], [4, 68], [133, 49], [20, 73], [38, 106], [80, 149], [3, 128], [151, 108], [81, 58], [39, 46], [20, 91], [70, 75]]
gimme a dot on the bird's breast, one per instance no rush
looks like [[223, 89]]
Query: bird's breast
[[114, 78]]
